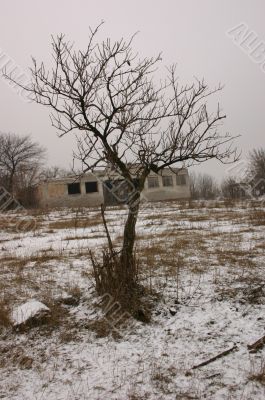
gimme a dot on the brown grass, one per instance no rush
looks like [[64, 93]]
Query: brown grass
[[17, 223], [257, 218], [102, 328], [15, 356], [260, 246], [4, 314], [18, 263], [163, 255], [75, 223], [234, 257], [83, 237], [257, 373]]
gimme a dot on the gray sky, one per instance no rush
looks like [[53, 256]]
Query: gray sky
[[191, 33]]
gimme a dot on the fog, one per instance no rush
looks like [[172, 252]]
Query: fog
[[192, 34]]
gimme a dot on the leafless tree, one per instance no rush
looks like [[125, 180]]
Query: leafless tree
[[257, 170], [257, 163], [234, 190], [203, 186], [20, 159], [53, 173], [124, 116]]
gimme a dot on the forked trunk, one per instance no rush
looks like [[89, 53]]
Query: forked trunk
[[117, 275]]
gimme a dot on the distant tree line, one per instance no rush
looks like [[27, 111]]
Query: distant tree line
[[251, 184], [22, 167], [203, 186]]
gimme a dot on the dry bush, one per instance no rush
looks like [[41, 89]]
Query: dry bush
[[68, 334], [163, 378], [75, 291], [4, 313], [101, 327], [57, 318], [257, 372], [133, 395], [107, 270], [15, 356]]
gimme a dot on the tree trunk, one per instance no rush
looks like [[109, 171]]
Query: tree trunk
[[11, 182], [117, 275], [128, 271]]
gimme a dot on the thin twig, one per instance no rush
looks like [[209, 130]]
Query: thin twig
[[256, 345], [107, 230], [224, 353]]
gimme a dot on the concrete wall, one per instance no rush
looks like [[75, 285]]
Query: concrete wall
[[55, 193], [174, 192]]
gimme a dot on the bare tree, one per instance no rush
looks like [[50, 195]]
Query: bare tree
[[54, 172], [228, 188], [194, 190], [203, 186], [257, 163], [20, 158], [232, 189], [208, 187], [257, 170], [122, 118]]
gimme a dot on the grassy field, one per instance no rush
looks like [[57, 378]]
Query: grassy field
[[201, 265]]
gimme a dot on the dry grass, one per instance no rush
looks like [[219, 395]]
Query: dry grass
[[43, 256], [68, 334], [15, 357], [133, 395], [22, 277], [257, 373], [260, 246], [234, 257], [17, 223], [57, 317], [83, 237], [163, 379], [103, 328], [179, 250], [4, 314], [170, 259], [76, 223], [257, 218], [170, 250]]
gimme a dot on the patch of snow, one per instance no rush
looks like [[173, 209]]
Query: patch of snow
[[25, 312]]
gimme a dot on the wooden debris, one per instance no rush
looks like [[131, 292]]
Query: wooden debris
[[224, 353], [256, 345], [213, 376]]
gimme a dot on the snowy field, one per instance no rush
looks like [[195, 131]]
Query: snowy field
[[202, 267]]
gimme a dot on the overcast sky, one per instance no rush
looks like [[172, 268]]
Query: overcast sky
[[191, 33]]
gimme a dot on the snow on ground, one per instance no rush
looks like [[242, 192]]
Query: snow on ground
[[203, 269], [27, 311]]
